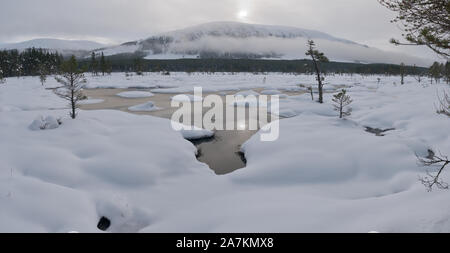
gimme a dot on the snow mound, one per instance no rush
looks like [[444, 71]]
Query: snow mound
[[67, 179], [314, 158], [135, 94], [41, 123], [147, 107], [192, 132]]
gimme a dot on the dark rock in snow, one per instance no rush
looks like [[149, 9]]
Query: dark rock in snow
[[104, 224]]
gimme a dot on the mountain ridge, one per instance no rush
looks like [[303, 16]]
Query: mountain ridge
[[255, 41], [54, 44], [245, 30]]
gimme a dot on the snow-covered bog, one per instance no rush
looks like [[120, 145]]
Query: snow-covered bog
[[322, 175]]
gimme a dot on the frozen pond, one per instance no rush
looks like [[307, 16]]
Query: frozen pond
[[221, 153]]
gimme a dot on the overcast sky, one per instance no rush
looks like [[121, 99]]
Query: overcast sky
[[116, 21]]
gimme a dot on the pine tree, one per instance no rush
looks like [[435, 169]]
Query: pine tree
[[317, 57], [342, 100], [108, 67], [94, 64], [425, 22], [59, 61], [138, 66], [418, 74], [436, 71], [2, 79], [103, 67], [447, 72], [402, 73], [72, 78], [42, 73]]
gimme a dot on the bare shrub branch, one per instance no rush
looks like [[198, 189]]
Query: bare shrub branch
[[444, 104], [432, 179]]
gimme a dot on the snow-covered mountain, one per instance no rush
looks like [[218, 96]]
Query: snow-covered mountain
[[240, 40], [243, 30], [62, 46], [229, 40]]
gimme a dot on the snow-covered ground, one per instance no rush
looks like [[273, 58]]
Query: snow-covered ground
[[323, 174]]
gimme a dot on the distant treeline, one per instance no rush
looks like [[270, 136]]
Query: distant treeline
[[29, 62], [33, 61], [130, 64]]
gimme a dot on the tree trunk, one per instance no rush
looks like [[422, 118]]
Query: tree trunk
[[72, 102], [73, 111], [72, 97], [319, 80]]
